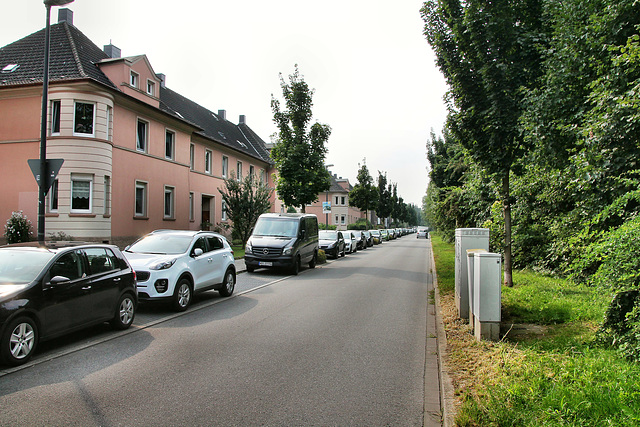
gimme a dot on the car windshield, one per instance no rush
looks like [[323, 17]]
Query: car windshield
[[162, 244], [20, 267], [327, 235], [276, 227]]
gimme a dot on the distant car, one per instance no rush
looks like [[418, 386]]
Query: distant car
[[392, 233], [376, 236], [422, 233], [360, 240], [350, 242], [368, 238], [331, 242], [46, 292], [172, 265], [384, 235]]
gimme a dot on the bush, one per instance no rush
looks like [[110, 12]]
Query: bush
[[322, 257], [60, 236], [18, 228]]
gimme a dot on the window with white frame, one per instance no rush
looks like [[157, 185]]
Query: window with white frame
[[141, 199], [151, 87], [134, 78], [343, 200], [107, 195], [224, 211], [192, 157], [191, 207], [142, 136], [342, 219], [169, 144], [169, 202], [252, 170], [84, 118], [337, 200], [225, 166], [53, 197], [337, 220], [109, 123], [239, 171], [81, 193], [208, 157], [55, 117], [262, 176]]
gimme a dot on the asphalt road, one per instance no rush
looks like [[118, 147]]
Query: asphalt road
[[344, 344]]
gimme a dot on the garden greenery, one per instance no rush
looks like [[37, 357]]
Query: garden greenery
[[18, 228]]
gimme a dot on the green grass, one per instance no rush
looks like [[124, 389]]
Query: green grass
[[559, 377], [444, 255], [238, 251]]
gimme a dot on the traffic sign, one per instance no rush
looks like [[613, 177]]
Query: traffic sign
[[53, 167]]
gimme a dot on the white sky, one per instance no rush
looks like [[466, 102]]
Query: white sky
[[373, 72]]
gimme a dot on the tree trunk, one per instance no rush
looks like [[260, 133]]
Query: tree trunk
[[506, 194], [303, 209]]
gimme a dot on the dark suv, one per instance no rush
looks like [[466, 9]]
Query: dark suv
[[46, 292]]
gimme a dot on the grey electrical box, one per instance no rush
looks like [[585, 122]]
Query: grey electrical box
[[466, 238], [470, 279], [487, 295]]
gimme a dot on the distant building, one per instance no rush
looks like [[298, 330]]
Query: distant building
[[137, 155], [338, 196]]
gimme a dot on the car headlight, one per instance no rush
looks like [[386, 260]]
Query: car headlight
[[248, 249], [287, 251], [163, 265]]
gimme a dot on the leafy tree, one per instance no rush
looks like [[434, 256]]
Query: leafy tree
[[300, 152], [488, 52], [364, 194], [384, 207], [245, 201]]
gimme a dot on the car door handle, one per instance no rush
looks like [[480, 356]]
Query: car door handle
[[209, 259], [86, 288], [117, 279]]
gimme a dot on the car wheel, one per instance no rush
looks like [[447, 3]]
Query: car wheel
[[229, 283], [296, 266], [125, 312], [312, 263], [250, 269], [344, 252], [19, 341], [182, 295]]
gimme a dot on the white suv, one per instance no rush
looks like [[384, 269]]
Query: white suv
[[173, 265]]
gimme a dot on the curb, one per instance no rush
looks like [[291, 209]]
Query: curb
[[447, 398]]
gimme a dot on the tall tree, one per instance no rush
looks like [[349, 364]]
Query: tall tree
[[383, 208], [364, 194], [488, 53], [300, 151], [245, 201]]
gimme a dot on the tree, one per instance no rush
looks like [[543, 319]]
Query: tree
[[383, 208], [244, 202], [488, 52], [364, 194], [300, 151]]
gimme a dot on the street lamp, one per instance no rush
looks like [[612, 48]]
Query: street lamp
[[326, 215], [42, 183]]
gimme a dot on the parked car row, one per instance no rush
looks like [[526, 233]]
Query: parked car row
[[48, 291]]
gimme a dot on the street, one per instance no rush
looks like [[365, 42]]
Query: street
[[346, 343]]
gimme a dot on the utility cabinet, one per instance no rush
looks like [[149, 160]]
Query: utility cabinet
[[487, 295], [471, 281], [466, 238]]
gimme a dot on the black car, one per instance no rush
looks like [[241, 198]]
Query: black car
[[46, 292], [331, 242]]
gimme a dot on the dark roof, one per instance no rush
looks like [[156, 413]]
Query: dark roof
[[74, 57], [214, 126], [337, 188]]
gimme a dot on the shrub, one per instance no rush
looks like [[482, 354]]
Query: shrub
[[18, 228], [322, 257], [60, 236]]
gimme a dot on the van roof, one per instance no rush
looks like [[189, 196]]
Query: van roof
[[287, 215]]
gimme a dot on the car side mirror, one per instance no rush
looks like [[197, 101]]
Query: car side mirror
[[56, 280], [197, 252]]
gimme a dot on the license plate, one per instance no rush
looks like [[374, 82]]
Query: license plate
[[265, 263]]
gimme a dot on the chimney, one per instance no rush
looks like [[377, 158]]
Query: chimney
[[111, 50], [222, 114], [65, 15], [243, 119], [163, 79]]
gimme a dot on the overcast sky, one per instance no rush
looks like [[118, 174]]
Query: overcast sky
[[373, 72]]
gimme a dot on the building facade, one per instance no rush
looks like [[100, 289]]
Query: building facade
[[338, 197], [137, 155]]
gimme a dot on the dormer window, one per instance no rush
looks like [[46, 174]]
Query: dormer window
[[134, 78], [151, 88], [10, 68]]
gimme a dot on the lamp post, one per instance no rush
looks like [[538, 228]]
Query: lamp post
[[326, 215], [42, 182]]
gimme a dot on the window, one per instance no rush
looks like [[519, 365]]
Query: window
[[342, 219], [239, 169], [169, 202], [337, 200], [53, 197], [343, 200], [109, 123], [101, 260], [169, 144], [207, 161], [81, 194], [142, 136], [141, 199], [133, 79], [225, 166], [214, 243], [224, 211], [107, 195], [192, 157], [69, 265], [262, 176], [191, 207], [252, 170], [337, 220], [55, 117], [151, 88], [83, 118]]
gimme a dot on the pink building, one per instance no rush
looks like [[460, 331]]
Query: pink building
[[137, 155], [338, 196]]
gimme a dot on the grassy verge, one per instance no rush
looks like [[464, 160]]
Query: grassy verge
[[238, 251], [547, 370]]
